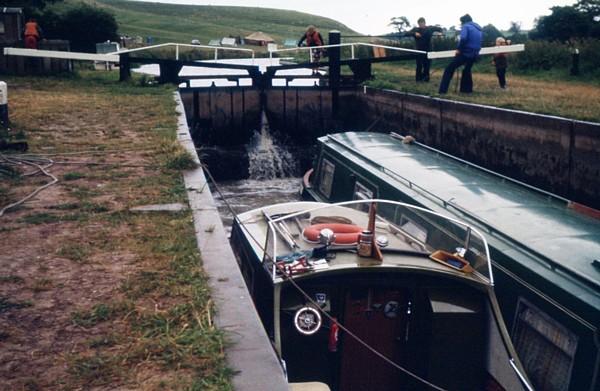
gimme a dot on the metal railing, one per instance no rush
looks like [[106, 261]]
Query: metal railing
[[178, 45], [352, 46]]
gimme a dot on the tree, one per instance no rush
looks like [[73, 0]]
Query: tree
[[400, 23], [563, 24], [490, 33], [83, 26], [31, 8], [589, 7], [515, 27]]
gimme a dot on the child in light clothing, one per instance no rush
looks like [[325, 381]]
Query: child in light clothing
[[500, 61]]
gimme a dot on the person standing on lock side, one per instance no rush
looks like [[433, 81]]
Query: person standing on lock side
[[422, 35], [466, 54]]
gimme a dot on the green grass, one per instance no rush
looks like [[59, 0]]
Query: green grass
[[12, 279], [96, 370], [6, 304], [100, 312], [165, 325], [73, 176], [182, 23], [107, 340], [41, 218], [75, 252]]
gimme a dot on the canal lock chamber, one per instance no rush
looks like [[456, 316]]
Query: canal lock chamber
[[245, 133]]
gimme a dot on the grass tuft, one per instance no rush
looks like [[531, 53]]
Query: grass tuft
[[95, 370], [103, 341], [40, 218], [100, 313], [6, 304], [42, 284], [11, 278], [75, 252], [73, 176], [177, 158]]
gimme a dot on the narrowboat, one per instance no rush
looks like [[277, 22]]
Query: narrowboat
[[375, 295], [545, 250]]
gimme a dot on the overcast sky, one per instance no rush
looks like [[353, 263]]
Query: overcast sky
[[373, 16]]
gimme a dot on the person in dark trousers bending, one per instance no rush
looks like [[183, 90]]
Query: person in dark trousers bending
[[466, 54], [423, 34], [313, 38]]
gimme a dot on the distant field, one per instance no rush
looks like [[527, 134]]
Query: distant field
[[182, 23]]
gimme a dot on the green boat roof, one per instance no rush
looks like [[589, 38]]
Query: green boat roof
[[561, 240]]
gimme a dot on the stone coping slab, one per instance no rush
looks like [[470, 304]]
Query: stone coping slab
[[249, 352]]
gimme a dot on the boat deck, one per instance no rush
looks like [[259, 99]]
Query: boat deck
[[408, 253]]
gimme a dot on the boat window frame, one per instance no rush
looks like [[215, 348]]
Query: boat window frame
[[419, 228], [322, 169], [524, 304], [487, 279], [362, 193]]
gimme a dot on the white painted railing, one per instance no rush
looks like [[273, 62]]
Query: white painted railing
[[342, 45], [178, 45], [431, 55], [483, 51]]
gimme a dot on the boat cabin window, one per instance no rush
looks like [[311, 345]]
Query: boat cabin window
[[361, 192], [326, 180], [413, 229], [2, 27], [545, 347]]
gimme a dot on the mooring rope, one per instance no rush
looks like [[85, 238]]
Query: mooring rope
[[39, 167], [307, 296]]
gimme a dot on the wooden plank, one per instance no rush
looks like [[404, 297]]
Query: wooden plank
[[484, 51], [60, 54]]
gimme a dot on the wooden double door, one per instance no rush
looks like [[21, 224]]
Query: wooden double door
[[380, 317]]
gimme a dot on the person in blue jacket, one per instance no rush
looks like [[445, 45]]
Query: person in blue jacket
[[466, 54]]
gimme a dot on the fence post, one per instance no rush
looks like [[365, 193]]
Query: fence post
[[124, 67], [334, 71], [3, 105]]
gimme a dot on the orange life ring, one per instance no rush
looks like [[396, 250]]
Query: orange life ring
[[344, 233]]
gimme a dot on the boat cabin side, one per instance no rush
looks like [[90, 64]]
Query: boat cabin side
[[551, 315]]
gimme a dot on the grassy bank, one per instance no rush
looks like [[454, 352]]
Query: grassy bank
[[93, 295], [182, 23], [550, 93]]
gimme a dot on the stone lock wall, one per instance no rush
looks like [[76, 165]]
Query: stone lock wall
[[556, 154]]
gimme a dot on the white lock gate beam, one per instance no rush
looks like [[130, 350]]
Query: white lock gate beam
[[60, 55]]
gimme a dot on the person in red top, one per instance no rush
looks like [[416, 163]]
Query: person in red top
[[32, 33], [313, 38]]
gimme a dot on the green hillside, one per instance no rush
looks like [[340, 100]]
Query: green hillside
[[182, 23]]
